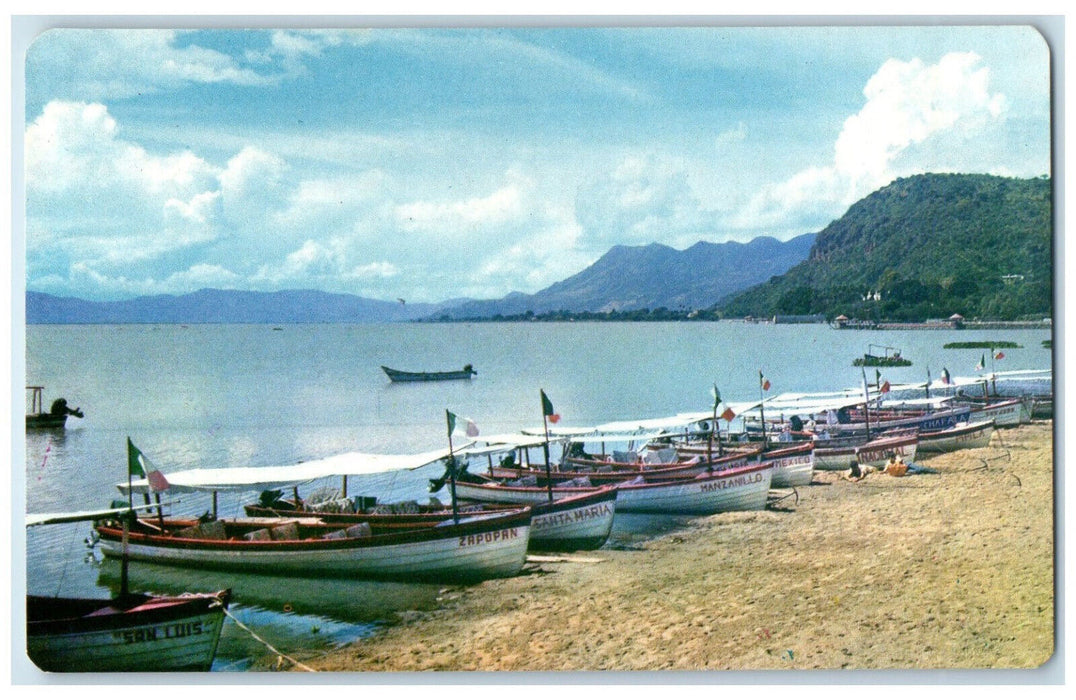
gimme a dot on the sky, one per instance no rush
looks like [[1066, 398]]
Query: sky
[[435, 163]]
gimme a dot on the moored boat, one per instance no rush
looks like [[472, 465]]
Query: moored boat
[[131, 632], [877, 452], [397, 375], [583, 521], [456, 548], [473, 548], [134, 632]]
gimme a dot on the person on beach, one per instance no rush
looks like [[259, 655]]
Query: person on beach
[[896, 466], [856, 473]]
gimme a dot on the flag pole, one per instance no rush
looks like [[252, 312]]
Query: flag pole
[[452, 468], [866, 405], [761, 410], [545, 448], [928, 383]]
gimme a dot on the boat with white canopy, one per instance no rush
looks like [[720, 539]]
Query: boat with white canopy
[[457, 548]]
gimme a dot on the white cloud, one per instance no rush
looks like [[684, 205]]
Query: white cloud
[[108, 63], [941, 109], [463, 216], [642, 200]]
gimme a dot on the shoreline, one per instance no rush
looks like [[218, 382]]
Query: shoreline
[[946, 571]]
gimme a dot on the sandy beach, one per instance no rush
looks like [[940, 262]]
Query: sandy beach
[[953, 570]]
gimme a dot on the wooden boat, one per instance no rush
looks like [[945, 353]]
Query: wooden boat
[[959, 437], [606, 470], [877, 452], [837, 454], [396, 375], [578, 522], [56, 417], [793, 463], [1004, 414], [470, 548], [129, 632], [740, 488], [134, 632], [473, 548], [890, 357]]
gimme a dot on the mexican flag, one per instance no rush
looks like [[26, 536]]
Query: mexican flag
[[139, 466]]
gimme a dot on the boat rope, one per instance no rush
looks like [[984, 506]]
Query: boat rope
[[280, 655]]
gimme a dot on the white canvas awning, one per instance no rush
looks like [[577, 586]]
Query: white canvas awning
[[263, 478]]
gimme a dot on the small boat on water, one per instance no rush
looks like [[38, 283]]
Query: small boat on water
[[129, 632], [56, 417], [397, 375], [889, 357]]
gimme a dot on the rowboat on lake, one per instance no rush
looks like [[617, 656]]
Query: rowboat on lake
[[57, 415], [397, 375], [459, 548], [129, 632]]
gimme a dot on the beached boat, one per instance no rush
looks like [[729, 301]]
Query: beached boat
[[472, 548], [959, 437], [838, 454], [793, 463], [578, 522], [129, 632], [56, 417], [134, 632], [877, 452], [401, 376], [618, 468], [740, 488]]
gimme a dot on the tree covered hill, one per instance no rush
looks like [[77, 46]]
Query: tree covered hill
[[924, 247]]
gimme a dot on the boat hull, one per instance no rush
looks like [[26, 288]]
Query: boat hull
[[735, 490], [580, 522], [958, 438], [45, 420], [877, 452], [159, 633], [476, 548], [396, 375], [793, 467]]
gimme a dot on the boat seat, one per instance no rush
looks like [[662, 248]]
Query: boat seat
[[213, 530], [287, 531]]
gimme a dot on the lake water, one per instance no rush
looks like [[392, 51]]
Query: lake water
[[255, 395]]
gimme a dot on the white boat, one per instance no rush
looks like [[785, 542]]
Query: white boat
[[877, 452], [741, 488], [968, 435], [838, 454], [467, 548]]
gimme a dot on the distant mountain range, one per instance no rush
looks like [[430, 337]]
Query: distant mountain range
[[225, 306], [922, 247], [652, 276]]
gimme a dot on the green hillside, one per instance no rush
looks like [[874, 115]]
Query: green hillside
[[927, 246]]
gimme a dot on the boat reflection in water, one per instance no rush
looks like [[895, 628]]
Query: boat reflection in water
[[298, 616]]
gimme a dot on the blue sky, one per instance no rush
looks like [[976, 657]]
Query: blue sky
[[437, 163]]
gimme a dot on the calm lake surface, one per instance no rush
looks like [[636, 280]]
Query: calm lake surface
[[204, 396]]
